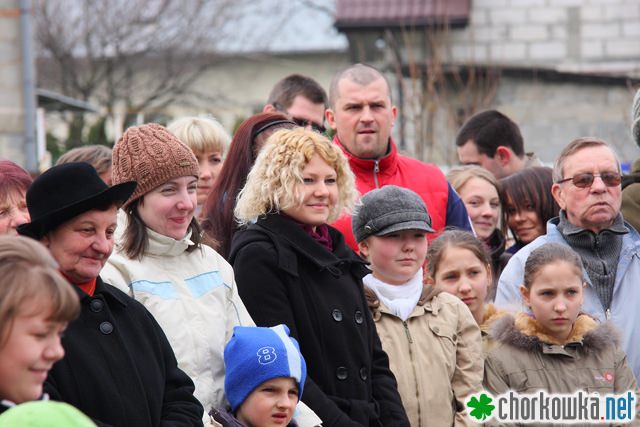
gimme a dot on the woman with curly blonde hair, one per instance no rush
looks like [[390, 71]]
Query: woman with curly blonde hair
[[292, 268]]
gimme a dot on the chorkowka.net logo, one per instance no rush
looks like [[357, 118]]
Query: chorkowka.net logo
[[577, 408]]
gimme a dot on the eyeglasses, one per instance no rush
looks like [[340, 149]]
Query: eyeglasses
[[585, 180], [304, 123]]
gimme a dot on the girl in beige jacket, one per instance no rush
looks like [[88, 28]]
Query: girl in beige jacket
[[432, 340]]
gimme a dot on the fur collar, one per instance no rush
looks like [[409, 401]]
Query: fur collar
[[490, 315], [525, 333]]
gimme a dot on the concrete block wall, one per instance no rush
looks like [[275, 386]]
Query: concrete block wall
[[11, 97], [549, 32]]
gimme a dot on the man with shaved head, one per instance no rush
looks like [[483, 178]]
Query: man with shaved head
[[362, 114]]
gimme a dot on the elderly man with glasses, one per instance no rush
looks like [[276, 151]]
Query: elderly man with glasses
[[587, 188]]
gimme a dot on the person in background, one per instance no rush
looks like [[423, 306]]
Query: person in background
[[586, 186], [460, 265], [554, 346], [631, 183], [218, 223], [14, 183], [301, 99], [36, 305], [362, 113], [493, 141], [98, 156], [431, 338], [479, 189], [294, 269], [264, 380], [119, 368], [528, 204], [209, 141]]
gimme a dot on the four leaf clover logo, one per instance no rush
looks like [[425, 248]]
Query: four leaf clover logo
[[482, 408]]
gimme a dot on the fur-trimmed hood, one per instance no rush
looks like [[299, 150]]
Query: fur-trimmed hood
[[524, 332]]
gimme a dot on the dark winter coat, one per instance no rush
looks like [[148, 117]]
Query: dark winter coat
[[284, 276], [119, 368]]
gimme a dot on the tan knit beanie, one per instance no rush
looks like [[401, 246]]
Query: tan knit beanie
[[150, 155]]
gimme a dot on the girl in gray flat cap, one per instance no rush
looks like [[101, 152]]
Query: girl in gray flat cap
[[432, 340]]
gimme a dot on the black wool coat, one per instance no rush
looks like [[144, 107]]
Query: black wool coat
[[285, 276], [119, 368]]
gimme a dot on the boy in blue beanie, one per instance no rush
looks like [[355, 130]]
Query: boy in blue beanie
[[265, 375]]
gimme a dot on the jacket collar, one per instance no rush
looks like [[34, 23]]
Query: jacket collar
[[167, 246], [293, 242], [387, 164], [426, 303], [523, 332], [108, 291]]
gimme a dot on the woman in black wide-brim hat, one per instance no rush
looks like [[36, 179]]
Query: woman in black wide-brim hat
[[119, 367]]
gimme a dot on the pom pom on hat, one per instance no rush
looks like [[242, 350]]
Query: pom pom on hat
[[150, 155], [255, 355]]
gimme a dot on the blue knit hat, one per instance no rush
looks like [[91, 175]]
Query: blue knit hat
[[255, 355]]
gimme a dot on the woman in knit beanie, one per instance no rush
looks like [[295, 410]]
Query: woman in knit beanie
[[218, 224], [159, 261]]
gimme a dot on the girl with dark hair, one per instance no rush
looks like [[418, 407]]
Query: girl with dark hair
[[219, 225], [528, 204]]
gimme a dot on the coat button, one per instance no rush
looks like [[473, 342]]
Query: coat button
[[341, 373], [359, 317], [106, 328], [96, 305], [337, 315], [363, 373]]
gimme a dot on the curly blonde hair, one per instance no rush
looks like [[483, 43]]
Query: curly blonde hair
[[272, 182]]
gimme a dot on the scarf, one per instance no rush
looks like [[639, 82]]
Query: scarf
[[400, 299]]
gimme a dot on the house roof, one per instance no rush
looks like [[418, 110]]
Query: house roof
[[371, 14], [52, 101]]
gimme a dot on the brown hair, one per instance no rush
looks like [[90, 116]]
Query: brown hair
[[29, 274], [575, 146], [285, 91], [135, 239], [548, 254], [530, 186], [458, 239], [13, 178], [98, 156], [219, 224]]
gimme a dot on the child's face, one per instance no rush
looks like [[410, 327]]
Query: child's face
[[32, 347], [462, 274], [272, 403], [397, 257], [555, 298]]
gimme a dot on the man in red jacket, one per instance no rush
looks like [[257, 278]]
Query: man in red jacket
[[362, 114]]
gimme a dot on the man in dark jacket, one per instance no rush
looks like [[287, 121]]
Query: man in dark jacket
[[119, 368]]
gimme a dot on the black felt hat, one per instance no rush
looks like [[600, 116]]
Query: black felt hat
[[66, 191]]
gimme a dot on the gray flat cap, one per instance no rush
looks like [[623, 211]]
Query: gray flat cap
[[388, 210]]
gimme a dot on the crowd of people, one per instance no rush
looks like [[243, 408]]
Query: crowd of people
[[281, 278]]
